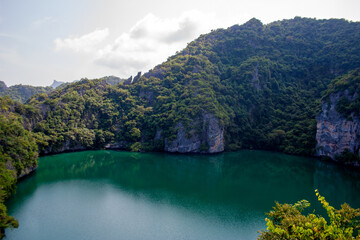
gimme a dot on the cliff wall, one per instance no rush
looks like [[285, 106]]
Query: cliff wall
[[209, 140], [335, 132]]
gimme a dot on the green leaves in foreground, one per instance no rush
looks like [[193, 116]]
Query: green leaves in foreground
[[6, 221], [7, 186], [286, 221]]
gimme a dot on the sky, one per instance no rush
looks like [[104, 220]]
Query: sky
[[46, 40]]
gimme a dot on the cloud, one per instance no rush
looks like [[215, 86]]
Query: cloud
[[166, 30], [86, 43], [149, 42]]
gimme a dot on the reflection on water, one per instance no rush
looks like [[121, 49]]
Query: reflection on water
[[194, 195]]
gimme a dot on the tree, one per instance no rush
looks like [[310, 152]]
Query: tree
[[286, 221]]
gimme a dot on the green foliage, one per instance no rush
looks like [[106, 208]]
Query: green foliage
[[262, 78], [18, 151], [17, 145], [6, 221], [21, 93], [7, 186], [348, 86], [135, 147], [348, 157], [286, 221], [262, 82]]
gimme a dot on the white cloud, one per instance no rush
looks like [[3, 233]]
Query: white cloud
[[86, 43], [149, 42], [167, 30]]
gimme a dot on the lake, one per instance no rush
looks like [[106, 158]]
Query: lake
[[122, 195]]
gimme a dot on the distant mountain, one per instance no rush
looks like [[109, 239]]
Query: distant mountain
[[20, 92], [55, 84], [112, 80]]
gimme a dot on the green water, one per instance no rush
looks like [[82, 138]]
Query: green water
[[122, 195]]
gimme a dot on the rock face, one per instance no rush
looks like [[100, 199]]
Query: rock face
[[65, 147], [71, 146], [55, 84], [210, 140], [116, 145], [26, 171], [3, 86], [335, 133]]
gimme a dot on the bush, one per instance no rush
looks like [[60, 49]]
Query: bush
[[286, 221], [347, 157]]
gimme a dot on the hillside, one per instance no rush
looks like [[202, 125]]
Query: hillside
[[265, 82], [18, 154], [251, 86], [20, 92]]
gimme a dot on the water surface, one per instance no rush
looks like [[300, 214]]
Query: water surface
[[122, 195]]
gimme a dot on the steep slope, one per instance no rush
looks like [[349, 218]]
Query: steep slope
[[251, 86], [262, 82], [338, 124], [18, 154]]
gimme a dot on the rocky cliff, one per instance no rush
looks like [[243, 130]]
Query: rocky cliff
[[209, 140], [24, 172], [335, 132], [66, 146]]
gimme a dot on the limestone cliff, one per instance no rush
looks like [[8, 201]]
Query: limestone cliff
[[24, 172], [66, 146], [209, 140], [335, 132]]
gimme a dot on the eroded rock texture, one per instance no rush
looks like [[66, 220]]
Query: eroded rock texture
[[208, 139], [335, 133]]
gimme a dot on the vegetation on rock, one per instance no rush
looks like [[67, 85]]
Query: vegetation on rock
[[18, 152], [262, 82], [349, 86], [338, 133]]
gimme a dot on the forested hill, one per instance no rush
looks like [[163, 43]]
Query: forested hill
[[20, 92], [251, 86]]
